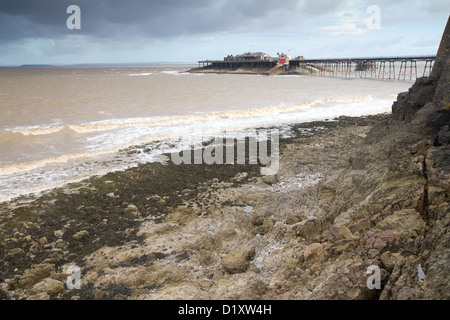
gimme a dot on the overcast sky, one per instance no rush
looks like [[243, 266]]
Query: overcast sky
[[132, 31]]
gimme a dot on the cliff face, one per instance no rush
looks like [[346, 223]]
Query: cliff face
[[427, 102], [421, 119]]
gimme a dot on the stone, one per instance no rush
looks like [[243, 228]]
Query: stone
[[81, 235], [238, 261], [58, 234], [131, 209], [291, 263], [257, 220], [308, 229], [36, 274], [314, 253], [361, 225], [265, 227], [43, 241], [341, 233], [294, 219], [270, 180], [15, 255], [404, 223], [50, 286], [39, 296]]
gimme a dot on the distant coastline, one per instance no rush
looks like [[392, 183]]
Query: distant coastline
[[126, 64]]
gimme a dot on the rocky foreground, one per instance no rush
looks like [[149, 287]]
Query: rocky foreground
[[350, 194]]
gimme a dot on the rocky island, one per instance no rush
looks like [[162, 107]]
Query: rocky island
[[350, 194]]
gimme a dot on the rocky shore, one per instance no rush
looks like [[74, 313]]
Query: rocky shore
[[350, 194], [157, 223]]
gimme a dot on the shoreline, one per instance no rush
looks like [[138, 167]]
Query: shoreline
[[125, 152], [57, 228], [350, 194]]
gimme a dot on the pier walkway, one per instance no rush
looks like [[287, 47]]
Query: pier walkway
[[398, 68]]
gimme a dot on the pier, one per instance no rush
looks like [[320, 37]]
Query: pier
[[394, 68]]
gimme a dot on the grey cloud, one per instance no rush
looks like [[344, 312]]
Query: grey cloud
[[157, 19], [150, 19], [321, 7]]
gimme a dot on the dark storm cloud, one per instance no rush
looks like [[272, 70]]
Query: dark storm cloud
[[152, 19]]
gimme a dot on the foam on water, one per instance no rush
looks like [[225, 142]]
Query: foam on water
[[112, 124], [140, 74], [104, 140]]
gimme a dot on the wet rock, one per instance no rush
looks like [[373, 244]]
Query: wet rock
[[238, 261]]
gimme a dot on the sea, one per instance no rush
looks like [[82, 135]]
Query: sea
[[64, 124]]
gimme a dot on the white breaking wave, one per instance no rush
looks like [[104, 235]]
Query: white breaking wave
[[138, 122], [52, 135], [140, 74]]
